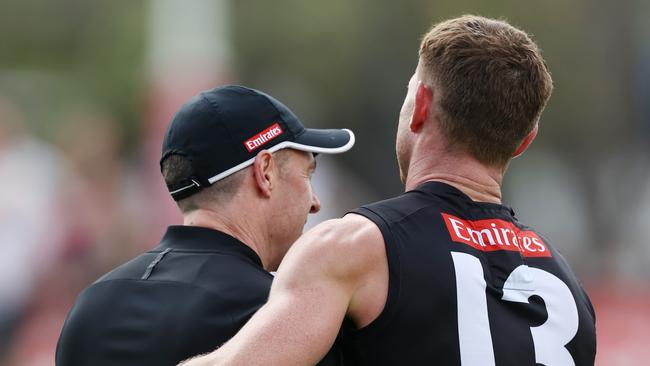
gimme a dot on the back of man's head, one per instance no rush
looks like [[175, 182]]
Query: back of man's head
[[177, 169], [490, 83]]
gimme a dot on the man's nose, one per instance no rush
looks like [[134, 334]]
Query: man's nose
[[315, 204]]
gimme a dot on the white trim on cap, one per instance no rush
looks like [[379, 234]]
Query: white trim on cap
[[194, 183], [291, 145]]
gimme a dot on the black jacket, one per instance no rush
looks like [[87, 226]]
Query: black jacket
[[185, 297]]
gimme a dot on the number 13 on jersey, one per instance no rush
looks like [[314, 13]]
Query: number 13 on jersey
[[549, 339]]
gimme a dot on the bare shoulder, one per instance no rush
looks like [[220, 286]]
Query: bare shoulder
[[351, 230], [344, 256], [344, 247]]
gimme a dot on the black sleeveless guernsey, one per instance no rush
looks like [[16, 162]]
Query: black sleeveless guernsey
[[469, 285]]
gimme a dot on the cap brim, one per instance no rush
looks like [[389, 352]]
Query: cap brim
[[323, 141], [311, 140]]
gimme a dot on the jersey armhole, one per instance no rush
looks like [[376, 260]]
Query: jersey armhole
[[392, 257]]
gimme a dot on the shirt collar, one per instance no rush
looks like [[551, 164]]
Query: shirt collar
[[444, 189], [203, 239]]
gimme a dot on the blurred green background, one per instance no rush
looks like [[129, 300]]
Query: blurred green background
[[87, 89]]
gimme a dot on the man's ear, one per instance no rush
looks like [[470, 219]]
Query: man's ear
[[263, 172], [423, 100], [526, 142]]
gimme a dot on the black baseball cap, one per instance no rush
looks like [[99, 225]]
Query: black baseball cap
[[220, 131]]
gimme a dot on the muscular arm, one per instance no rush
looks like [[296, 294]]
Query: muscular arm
[[337, 268]]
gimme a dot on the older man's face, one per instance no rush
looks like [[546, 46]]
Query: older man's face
[[294, 201]]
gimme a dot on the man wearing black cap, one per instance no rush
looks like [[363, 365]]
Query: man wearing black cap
[[443, 274], [238, 163]]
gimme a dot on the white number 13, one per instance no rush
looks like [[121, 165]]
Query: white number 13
[[549, 338]]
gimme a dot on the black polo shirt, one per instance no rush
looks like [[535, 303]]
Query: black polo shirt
[[185, 297]]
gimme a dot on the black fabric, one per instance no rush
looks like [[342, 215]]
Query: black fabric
[[329, 139], [185, 297], [211, 128], [419, 324]]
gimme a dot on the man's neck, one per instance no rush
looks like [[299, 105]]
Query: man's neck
[[242, 229], [480, 183]]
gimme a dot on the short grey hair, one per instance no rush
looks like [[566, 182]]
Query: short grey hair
[[177, 169]]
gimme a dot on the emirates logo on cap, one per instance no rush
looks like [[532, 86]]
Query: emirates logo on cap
[[263, 137]]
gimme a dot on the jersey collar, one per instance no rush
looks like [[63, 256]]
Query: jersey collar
[[194, 238], [444, 189]]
